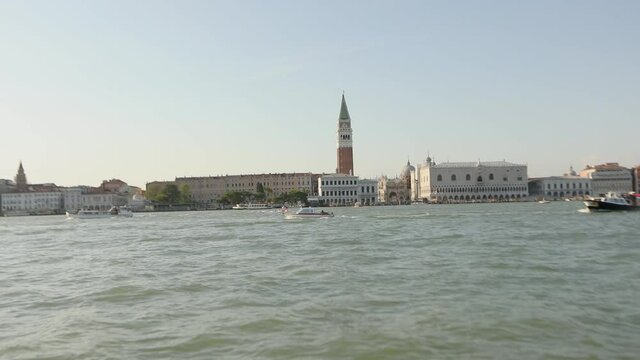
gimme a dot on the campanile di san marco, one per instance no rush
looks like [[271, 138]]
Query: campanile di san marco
[[345, 141]]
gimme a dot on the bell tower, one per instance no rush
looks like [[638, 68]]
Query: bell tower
[[21, 179], [344, 141]]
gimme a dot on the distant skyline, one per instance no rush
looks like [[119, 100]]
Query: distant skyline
[[153, 90]]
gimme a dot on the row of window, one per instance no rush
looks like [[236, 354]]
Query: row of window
[[481, 198], [339, 193], [369, 189], [568, 193], [476, 189], [555, 186], [338, 182], [282, 183], [479, 179]]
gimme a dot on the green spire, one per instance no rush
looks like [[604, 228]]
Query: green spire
[[344, 112]]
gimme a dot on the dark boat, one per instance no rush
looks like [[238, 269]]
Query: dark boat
[[610, 202]]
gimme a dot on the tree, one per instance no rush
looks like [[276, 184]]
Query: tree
[[260, 195], [185, 194], [172, 194], [235, 197]]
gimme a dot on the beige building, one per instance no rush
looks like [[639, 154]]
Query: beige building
[[608, 177], [453, 182], [399, 190], [207, 190]]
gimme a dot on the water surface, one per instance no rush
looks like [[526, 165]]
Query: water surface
[[408, 282]]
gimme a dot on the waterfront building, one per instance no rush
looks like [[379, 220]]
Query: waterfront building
[[567, 186], [399, 190], [206, 191], [608, 177], [101, 200], [72, 199], [636, 179], [452, 182], [367, 191], [345, 190], [344, 136], [25, 199], [31, 203]]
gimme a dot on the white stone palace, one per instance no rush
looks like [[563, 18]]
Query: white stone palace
[[453, 182]]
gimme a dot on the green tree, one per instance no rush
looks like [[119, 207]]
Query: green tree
[[153, 192], [185, 194], [172, 194], [260, 194], [235, 197]]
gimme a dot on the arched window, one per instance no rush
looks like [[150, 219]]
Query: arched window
[[490, 176], [439, 177], [479, 178], [468, 177], [453, 177]]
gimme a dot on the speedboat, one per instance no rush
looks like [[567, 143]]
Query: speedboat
[[611, 201], [251, 207], [116, 211], [307, 213], [88, 214], [543, 201]]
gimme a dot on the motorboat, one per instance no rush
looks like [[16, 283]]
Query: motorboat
[[123, 211], [307, 213], [251, 207], [88, 214], [116, 211], [610, 202], [543, 201]]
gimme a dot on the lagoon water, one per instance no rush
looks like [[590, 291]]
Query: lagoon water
[[516, 281]]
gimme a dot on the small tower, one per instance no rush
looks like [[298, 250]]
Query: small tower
[[21, 179], [344, 141]]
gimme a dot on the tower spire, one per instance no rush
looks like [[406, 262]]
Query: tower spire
[[344, 112]]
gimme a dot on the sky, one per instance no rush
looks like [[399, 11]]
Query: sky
[[152, 90]]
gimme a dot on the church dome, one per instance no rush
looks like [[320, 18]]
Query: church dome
[[406, 171]]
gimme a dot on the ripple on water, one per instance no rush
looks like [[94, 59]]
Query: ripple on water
[[477, 281]]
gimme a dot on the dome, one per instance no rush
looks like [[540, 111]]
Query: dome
[[406, 171]]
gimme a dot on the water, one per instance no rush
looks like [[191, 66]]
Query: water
[[519, 281]]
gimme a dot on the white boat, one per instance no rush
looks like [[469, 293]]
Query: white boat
[[611, 201], [307, 213], [251, 207], [543, 201], [116, 211]]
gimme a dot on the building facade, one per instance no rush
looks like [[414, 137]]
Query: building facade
[[345, 190], [399, 190], [31, 203], [454, 182], [367, 192], [344, 136], [608, 177], [207, 191], [636, 179], [567, 186]]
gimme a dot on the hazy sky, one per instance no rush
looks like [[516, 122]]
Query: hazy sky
[[150, 90]]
